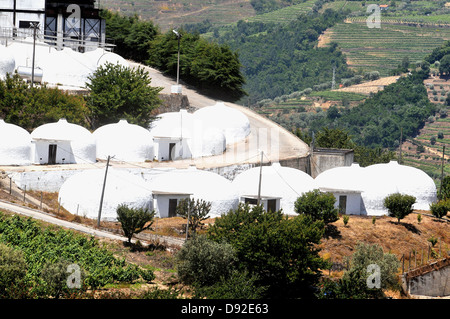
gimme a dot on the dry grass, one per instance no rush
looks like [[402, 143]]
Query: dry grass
[[400, 239]]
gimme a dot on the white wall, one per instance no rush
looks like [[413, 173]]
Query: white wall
[[353, 202], [161, 203], [64, 151], [161, 149], [30, 4]]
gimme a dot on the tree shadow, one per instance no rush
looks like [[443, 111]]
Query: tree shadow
[[408, 226], [331, 231]]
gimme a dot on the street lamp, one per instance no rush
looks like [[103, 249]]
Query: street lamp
[[178, 61], [33, 25]]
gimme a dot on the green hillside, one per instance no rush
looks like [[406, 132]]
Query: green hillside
[[384, 48]]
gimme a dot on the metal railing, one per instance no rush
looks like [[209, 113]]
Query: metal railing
[[80, 43]]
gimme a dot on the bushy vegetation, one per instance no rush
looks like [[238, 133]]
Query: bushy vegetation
[[371, 271], [118, 92], [318, 205], [29, 107], [212, 68], [281, 252], [36, 257], [378, 121], [134, 220], [287, 59]]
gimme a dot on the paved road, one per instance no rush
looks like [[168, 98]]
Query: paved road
[[36, 214]]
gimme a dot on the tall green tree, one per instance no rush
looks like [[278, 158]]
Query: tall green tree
[[118, 92]]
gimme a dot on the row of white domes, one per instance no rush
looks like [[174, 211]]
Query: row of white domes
[[283, 185], [205, 132]]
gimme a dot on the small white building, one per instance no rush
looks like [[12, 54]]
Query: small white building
[[345, 183], [81, 193], [362, 190], [15, 145], [124, 142], [169, 188], [234, 123], [172, 133], [280, 186], [63, 143]]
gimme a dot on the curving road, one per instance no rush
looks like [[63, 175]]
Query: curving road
[[276, 142]]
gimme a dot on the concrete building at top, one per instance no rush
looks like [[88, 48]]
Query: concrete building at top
[[63, 23]]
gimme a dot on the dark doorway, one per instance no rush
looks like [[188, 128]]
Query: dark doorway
[[52, 148], [342, 204], [272, 205], [171, 151], [173, 207]]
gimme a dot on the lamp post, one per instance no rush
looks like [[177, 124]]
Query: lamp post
[[33, 25], [178, 60]]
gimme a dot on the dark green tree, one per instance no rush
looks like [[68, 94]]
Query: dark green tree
[[118, 92], [444, 190], [318, 205], [134, 220], [440, 209], [444, 66], [399, 205], [281, 251], [204, 262]]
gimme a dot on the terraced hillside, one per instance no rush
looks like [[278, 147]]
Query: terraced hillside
[[169, 14], [373, 49], [425, 151]]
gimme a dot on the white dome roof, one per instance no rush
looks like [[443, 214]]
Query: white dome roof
[[233, 122], [201, 184], [82, 141], [277, 181], [81, 192], [62, 131], [342, 178], [15, 145], [173, 125], [125, 141], [7, 62], [382, 180], [202, 140]]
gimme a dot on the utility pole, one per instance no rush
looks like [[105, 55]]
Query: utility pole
[[260, 178], [442, 170], [400, 147], [333, 81], [34, 25], [103, 193]]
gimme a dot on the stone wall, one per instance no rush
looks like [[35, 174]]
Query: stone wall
[[432, 280]]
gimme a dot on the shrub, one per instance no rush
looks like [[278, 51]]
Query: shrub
[[13, 269], [195, 211], [345, 219], [440, 209], [318, 205], [399, 205], [203, 262]]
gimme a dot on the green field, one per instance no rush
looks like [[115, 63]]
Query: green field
[[382, 49]]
